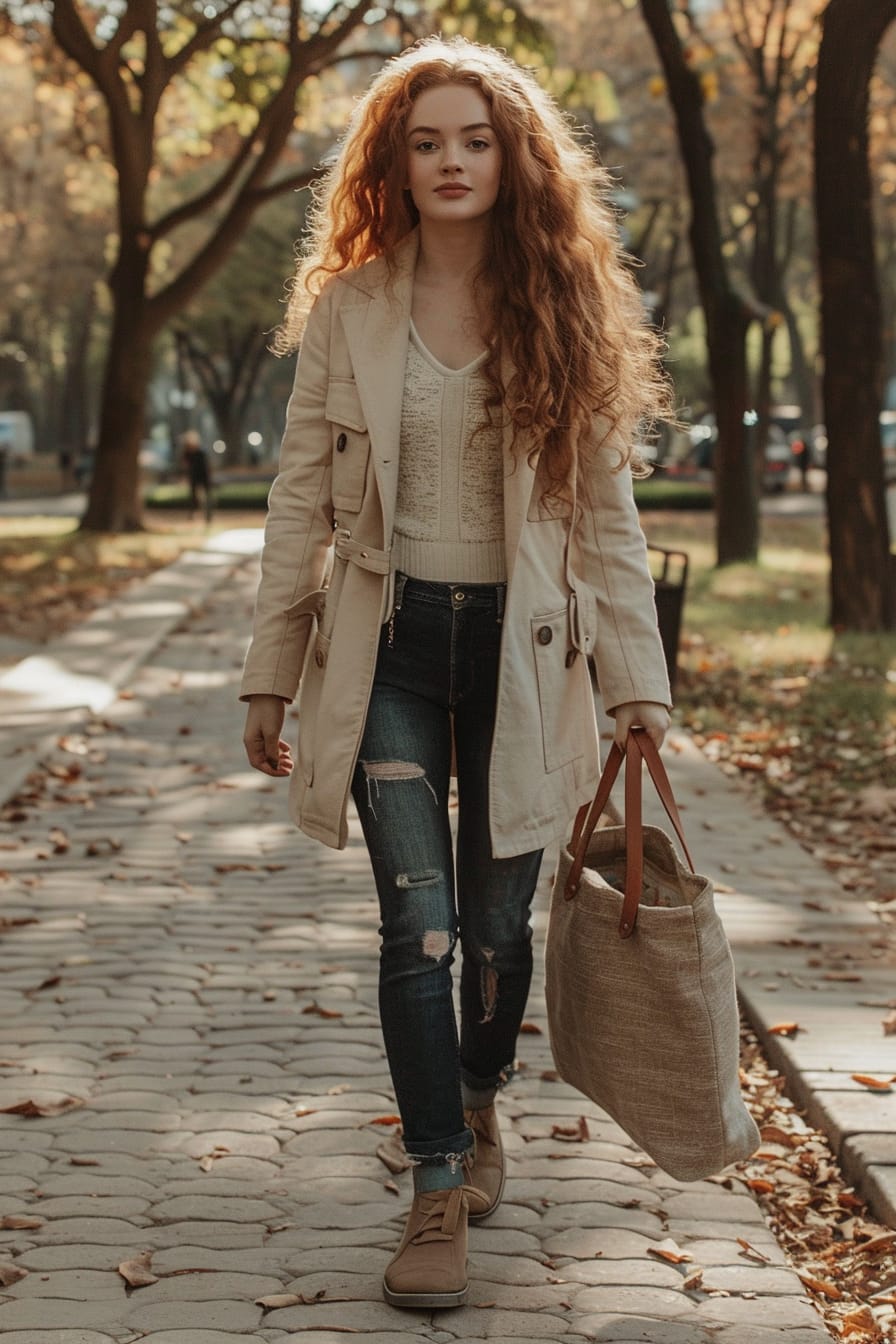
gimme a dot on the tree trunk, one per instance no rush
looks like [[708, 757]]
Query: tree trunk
[[74, 413], [114, 503], [737, 505], [727, 315], [862, 568]]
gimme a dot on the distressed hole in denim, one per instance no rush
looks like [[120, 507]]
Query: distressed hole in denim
[[377, 772], [408, 881], [488, 985], [436, 943]]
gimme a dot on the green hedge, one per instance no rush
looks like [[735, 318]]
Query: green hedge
[[652, 494], [669, 494], [227, 495]]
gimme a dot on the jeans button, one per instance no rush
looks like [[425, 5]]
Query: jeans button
[[545, 634], [460, 595]]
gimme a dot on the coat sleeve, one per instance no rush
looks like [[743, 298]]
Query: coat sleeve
[[299, 525], [612, 552]]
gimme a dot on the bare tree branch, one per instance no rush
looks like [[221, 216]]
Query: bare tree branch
[[295, 182], [202, 38]]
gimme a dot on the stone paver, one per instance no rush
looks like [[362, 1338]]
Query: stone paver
[[205, 988]]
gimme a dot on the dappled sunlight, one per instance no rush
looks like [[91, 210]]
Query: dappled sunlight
[[42, 683]]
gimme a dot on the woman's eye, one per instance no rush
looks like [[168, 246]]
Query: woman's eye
[[425, 145], [479, 144]]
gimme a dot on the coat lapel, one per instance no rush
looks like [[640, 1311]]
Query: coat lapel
[[377, 329]]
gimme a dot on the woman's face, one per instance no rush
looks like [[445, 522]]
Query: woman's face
[[454, 159]]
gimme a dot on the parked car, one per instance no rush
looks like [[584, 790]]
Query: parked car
[[16, 435], [779, 458], [703, 436], [888, 442]]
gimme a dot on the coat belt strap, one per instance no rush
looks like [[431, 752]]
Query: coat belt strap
[[366, 557]]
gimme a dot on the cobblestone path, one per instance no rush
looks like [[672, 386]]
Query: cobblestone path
[[200, 980]]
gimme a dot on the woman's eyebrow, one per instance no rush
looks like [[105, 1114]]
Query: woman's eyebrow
[[435, 130]]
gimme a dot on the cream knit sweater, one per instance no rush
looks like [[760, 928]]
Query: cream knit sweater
[[449, 519]]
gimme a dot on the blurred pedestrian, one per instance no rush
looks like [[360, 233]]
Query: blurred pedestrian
[[473, 369], [5, 455], [198, 472]]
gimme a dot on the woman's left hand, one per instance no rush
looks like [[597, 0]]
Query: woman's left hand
[[653, 717]]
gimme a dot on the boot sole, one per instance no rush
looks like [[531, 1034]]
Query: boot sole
[[425, 1299]]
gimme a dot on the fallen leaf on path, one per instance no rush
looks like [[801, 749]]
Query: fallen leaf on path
[[393, 1157], [530, 1029], [32, 1110], [786, 1029], [20, 1222], [693, 1279], [137, 1272], [889, 1024], [321, 1012], [752, 1252], [578, 1133], [274, 1300], [208, 1160], [10, 1274], [60, 841], [875, 1084], [860, 1322], [775, 1134], [49, 983], [384, 1120], [669, 1251], [105, 845], [880, 1245], [820, 1286]]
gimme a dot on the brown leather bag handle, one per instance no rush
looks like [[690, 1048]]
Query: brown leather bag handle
[[639, 748]]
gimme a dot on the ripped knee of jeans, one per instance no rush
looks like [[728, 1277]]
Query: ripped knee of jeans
[[384, 772], [437, 943]]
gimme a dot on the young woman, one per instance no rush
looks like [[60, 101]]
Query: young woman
[[450, 538]]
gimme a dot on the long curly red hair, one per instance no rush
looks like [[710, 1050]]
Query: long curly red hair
[[559, 304]]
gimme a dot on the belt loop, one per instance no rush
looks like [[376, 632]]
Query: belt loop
[[500, 595]]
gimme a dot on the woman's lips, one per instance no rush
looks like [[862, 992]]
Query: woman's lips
[[452, 191]]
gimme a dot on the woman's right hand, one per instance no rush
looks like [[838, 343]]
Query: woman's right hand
[[265, 747]]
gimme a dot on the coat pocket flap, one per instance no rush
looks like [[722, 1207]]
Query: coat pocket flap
[[343, 404], [312, 604]]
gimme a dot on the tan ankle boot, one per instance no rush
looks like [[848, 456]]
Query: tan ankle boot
[[484, 1162], [429, 1269]]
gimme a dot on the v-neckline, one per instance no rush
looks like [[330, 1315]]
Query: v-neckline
[[437, 363]]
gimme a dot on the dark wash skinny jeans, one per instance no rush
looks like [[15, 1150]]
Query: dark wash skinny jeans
[[438, 659]]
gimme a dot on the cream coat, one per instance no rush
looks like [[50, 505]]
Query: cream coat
[[326, 583]]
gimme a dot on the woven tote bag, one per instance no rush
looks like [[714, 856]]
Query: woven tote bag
[[639, 981]]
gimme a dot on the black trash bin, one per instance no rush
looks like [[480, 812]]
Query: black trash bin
[[670, 575]]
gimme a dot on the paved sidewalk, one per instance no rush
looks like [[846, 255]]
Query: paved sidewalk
[[200, 981]]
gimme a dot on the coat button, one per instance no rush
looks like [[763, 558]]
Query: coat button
[[571, 655], [545, 634], [341, 443]]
